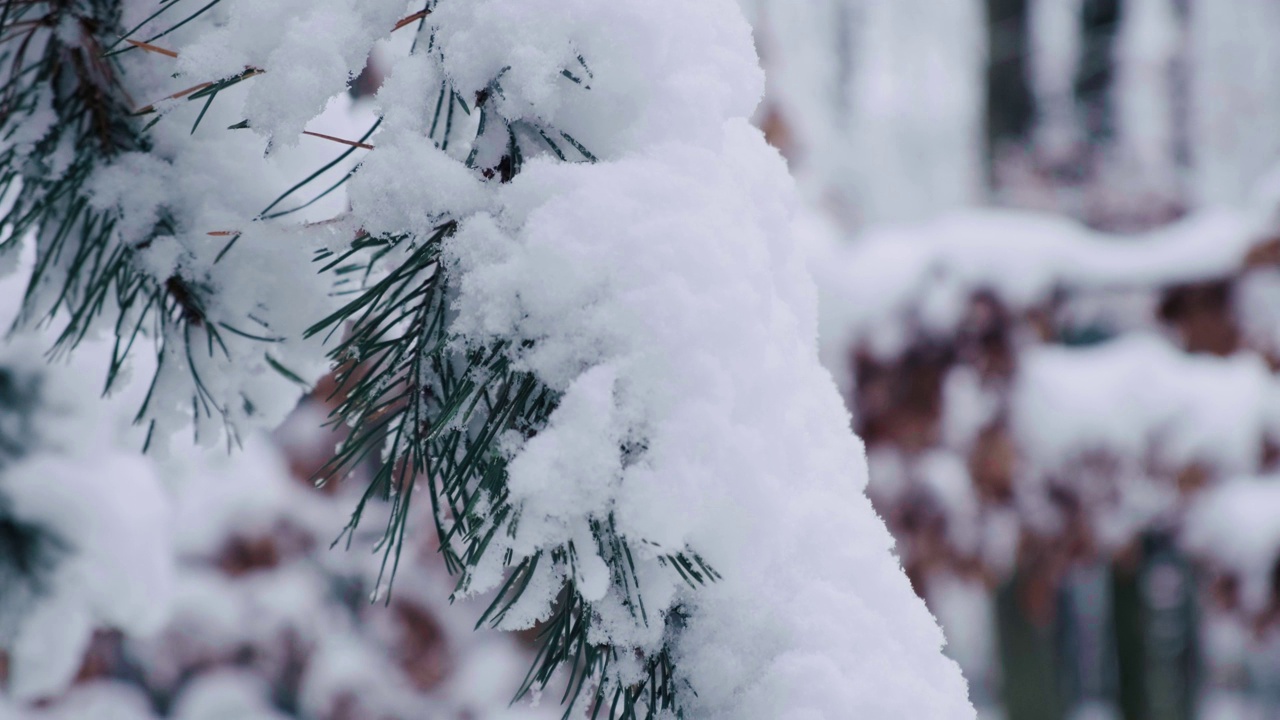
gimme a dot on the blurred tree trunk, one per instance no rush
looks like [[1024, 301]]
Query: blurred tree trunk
[[1100, 22], [1010, 105], [1130, 650], [1155, 627], [1029, 653]]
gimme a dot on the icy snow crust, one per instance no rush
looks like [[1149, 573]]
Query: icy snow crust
[[662, 289]]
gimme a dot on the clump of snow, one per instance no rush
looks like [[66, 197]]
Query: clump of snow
[[648, 74], [234, 633], [100, 699], [1256, 305], [309, 51], [965, 610], [112, 515], [1235, 526], [221, 696], [409, 185], [703, 344], [686, 329], [1137, 393], [879, 291]]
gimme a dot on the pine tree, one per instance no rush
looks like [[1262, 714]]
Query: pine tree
[[492, 342]]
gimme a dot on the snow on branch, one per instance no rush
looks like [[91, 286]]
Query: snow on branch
[[565, 304]]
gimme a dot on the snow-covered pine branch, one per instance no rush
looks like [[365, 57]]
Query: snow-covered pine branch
[[564, 298]]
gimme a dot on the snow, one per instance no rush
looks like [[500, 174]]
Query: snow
[[224, 696], [1256, 304], [292, 610], [653, 74], [213, 186], [703, 345], [77, 481], [1235, 526], [309, 51], [411, 185], [1146, 411], [104, 699], [1139, 392], [1116, 421], [660, 288], [880, 288], [113, 515]]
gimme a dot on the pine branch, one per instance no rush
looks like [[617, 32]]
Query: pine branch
[[83, 272], [416, 398], [430, 408]]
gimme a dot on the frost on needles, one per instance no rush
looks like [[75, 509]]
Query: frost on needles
[[557, 282]]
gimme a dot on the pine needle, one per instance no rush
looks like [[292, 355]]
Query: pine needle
[[248, 73], [352, 143], [410, 19], [151, 48], [175, 96]]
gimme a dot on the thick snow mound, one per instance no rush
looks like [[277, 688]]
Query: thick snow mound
[[664, 294]]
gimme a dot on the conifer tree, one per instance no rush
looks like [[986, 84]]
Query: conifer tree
[[562, 307]]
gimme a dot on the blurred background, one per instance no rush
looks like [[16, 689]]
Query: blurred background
[[1046, 239]]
